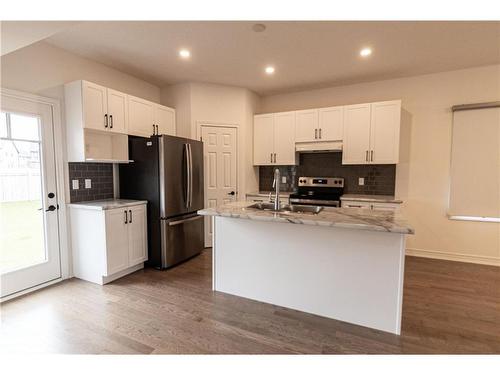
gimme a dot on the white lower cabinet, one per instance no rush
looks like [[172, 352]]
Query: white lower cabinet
[[108, 243]]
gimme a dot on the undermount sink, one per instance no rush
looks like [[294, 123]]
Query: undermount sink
[[287, 208]]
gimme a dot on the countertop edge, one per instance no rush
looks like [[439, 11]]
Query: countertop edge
[[92, 205]]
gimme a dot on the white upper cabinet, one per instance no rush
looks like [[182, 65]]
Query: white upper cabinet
[[274, 139], [263, 139], [284, 138], [356, 141], [147, 118], [331, 124], [117, 111], [384, 132], [140, 117], [306, 125], [165, 119], [91, 100], [371, 133]]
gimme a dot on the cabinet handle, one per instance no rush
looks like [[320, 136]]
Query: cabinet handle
[[275, 158], [106, 120], [130, 212], [271, 157], [366, 156], [110, 121], [157, 132], [372, 155], [319, 133], [315, 133], [153, 129], [126, 217]]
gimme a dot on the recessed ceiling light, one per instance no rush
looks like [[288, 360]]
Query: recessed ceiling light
[[269, 69], [184, 53], [365, 52], [258, 27]]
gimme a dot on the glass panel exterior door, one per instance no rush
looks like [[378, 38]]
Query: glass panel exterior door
[[29, 238]]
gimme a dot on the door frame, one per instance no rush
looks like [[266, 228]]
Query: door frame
[[62, 175], [199, 126]]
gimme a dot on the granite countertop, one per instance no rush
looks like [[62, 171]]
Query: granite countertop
[[106, 204], [350, 218], [266, 193], [370, 198]]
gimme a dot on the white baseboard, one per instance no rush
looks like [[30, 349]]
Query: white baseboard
[[478, 259]]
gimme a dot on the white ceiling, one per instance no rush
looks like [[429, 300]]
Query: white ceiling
[[305, 54], [19, 34]]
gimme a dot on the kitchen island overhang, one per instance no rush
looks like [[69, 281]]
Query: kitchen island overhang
[[345, 264]]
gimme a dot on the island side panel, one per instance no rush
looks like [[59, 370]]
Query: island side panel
[[346, 274]]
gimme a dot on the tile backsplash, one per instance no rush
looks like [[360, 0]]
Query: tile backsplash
[[101, 176], [379, 179]]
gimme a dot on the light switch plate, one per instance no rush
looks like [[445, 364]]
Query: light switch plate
[[75, 185], [361, 181], [283, 179], [88, 183]]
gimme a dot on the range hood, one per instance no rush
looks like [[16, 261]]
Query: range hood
[[335, 146]]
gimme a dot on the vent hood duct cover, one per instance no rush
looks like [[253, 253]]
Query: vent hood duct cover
[[335, 146]]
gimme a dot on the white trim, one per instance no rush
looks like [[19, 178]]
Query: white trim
[[456, 257], [29, 290], [62, 174]]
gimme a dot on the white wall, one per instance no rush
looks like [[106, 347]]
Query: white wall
[[423, 176], [202, 103]]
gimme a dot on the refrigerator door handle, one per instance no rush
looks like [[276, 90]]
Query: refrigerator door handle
[[188, 174]]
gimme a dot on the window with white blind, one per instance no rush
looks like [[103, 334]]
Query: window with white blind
[[475, 164]]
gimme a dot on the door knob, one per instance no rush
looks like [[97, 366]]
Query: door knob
[[51, 208], [231, 193]]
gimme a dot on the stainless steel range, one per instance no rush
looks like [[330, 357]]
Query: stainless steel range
[[319, 191]]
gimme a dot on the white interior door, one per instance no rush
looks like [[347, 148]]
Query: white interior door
[[219, 150], [29, 234]]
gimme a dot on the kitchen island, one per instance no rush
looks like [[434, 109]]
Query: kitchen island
[[341, 263]]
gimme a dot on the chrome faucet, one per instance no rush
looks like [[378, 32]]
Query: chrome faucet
[[276, 186]]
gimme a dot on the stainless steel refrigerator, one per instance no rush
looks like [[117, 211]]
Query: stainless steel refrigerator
[[167, 171]]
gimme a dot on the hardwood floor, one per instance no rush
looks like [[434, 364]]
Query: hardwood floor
[[448, 307]]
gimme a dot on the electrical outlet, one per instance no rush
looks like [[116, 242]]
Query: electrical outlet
[[283, 179], [75, 184], [361, 181], [88, 183]]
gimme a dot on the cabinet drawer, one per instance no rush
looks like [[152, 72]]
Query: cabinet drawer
[[354, 204]]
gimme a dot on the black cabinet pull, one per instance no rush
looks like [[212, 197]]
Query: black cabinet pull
[[157, 132], [106, 120], [231, 193], [126, 217], [130, 212], [110, 121], [153, 129]]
